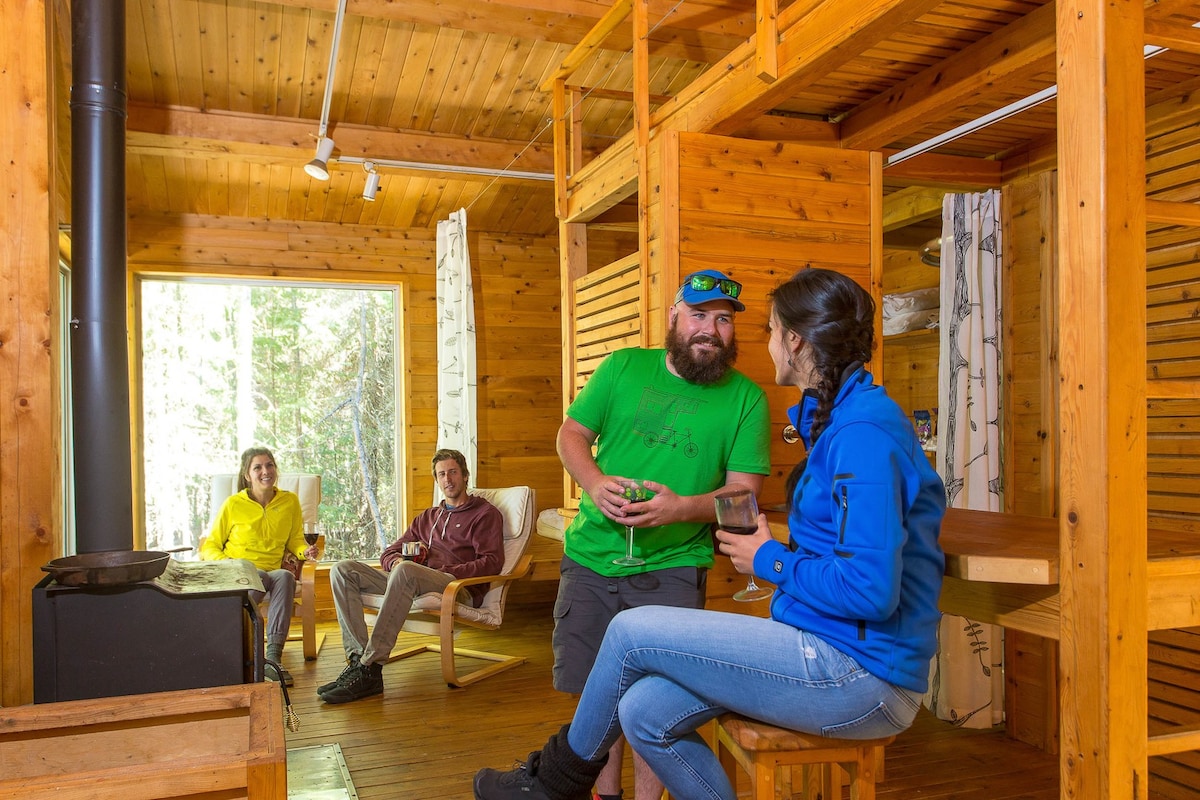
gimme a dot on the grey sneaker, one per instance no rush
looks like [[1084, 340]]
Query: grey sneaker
[[351, 667], [270, 674], [519, 783], [365, 680]]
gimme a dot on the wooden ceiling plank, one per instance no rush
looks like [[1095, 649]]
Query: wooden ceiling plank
[[343, 70], [318, 40], [502, 83], [290, 76], [416, 63], [437, 88], [185, 31], [1024, 48], [139, 77], [160, 44], [526, 115], [258, 181], [478, 61], [243, 60], [214, 36], [391, 64], [268, 34], [364, 72]]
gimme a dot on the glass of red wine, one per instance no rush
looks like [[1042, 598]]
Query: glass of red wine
[[310, 533], [737, 512]]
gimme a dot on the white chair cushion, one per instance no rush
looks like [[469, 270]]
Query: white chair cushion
[[305, 485], [517, 507]]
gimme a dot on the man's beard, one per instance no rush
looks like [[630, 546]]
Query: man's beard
[[706, 368]]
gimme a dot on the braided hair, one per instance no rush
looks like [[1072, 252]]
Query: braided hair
[[835, 318]]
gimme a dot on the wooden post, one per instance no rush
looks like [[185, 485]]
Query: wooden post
[[1102, 324], [572, 259], [641, 123], [30, 347]]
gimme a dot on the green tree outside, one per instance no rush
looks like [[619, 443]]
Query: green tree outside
[[309, 372]]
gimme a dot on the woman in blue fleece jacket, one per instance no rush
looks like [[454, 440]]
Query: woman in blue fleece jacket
[[853, 620]]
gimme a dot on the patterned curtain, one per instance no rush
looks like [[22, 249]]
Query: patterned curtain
[[457, 423], [967, 682]]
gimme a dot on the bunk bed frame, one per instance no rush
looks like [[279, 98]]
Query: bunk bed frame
[[1105, 583]]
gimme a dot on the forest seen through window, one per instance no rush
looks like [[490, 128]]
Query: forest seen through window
[[309, 372]]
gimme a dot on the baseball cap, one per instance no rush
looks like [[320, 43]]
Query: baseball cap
[[708, 285]]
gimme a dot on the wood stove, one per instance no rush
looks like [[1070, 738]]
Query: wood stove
[[194, 626]]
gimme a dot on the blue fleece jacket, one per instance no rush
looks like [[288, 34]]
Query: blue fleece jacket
[[864, 569]]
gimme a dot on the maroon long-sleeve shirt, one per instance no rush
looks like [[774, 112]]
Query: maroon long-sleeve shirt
[[464, 540]]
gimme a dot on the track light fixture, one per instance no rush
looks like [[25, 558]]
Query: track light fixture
[[372, 184], [319, 166]]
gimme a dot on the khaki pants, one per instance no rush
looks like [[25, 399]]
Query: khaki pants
[[350, 580]]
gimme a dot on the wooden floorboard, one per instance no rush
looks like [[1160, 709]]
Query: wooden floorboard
[[423, 740]]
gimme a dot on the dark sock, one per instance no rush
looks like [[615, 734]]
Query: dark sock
[[618, 796], [563, 774]]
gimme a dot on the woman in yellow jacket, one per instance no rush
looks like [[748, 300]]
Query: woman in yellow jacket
[[259, 524]]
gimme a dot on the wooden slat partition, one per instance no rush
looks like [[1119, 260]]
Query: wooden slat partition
[[608, 316], [1174, 708]]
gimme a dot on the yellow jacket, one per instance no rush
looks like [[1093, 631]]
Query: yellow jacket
[[244, 529]]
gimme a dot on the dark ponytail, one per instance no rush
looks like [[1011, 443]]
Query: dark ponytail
[[835, 318]]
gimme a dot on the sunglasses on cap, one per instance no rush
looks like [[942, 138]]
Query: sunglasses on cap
[[704, 283]]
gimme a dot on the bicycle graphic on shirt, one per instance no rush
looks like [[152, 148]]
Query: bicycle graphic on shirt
[[658, 417]]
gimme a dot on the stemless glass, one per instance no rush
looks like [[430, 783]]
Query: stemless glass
[[737, 512], [635, 492]]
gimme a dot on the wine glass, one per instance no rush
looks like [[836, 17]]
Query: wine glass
[[737, 512], [635, 492]]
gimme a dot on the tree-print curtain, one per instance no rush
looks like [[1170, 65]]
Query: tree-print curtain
[[457, 423], [967, 681]]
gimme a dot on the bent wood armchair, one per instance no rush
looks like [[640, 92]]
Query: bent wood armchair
[[307, 487], [438, 614]]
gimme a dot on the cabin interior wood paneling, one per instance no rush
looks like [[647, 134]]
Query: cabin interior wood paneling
[[226, 95]]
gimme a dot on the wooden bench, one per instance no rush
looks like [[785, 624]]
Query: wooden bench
[[767, 754], [225, 741]]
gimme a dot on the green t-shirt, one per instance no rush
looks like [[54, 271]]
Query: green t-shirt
[[653, 425]]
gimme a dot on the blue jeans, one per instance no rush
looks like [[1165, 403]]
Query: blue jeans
[[663, 672]]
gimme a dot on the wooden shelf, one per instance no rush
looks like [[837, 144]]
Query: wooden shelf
[[908, 336]]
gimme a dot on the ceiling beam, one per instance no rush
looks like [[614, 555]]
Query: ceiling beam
[[1012, 54], [695, 31], [907, 206], [815, 39], [191, 133]]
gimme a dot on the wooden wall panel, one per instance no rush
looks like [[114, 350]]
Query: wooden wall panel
[[760, 211], [516, 310], [30, 347]]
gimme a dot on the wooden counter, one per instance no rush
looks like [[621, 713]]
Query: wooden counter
[[1003, 569]]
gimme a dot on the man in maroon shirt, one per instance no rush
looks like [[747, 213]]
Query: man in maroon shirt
[[461, 537]]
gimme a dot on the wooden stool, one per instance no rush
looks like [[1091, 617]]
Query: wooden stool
[[763, 749]]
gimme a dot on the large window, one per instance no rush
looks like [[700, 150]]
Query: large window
[[307, 371]]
